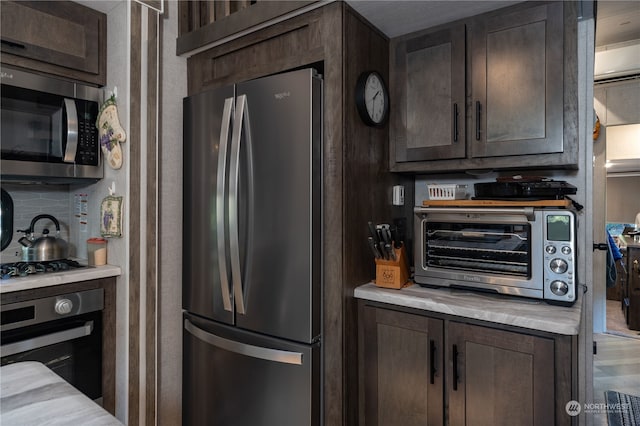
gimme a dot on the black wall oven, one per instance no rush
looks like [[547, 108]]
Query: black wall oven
[[64, 332]]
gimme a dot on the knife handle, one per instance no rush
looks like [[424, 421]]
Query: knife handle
[[374, 248], [373, 232], [389, 249]]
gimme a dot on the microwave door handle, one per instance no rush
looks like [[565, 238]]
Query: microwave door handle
[[72, 131], [220, 204]]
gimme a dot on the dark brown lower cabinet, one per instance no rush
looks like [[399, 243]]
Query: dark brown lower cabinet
[[418, 369]]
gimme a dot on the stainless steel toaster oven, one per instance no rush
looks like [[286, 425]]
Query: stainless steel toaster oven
[[519, 251]]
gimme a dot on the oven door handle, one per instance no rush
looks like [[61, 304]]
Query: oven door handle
[[46, 340], [526, 211]]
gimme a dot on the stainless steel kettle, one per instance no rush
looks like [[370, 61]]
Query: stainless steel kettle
[[46, 247]]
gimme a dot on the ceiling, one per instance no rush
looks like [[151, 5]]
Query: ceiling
[[617, 21]]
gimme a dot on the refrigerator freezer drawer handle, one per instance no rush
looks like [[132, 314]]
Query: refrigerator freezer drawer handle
[[220, 189], [275, 355]]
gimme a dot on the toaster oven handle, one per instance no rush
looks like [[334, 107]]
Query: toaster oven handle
[[72, 131], [525, 211]]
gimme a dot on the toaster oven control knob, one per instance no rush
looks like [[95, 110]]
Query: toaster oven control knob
[[566, 250], [63, 306], [559, 266], [550, 249], [559, 288]]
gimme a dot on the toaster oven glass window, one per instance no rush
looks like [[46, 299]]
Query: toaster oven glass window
[[491, 248]]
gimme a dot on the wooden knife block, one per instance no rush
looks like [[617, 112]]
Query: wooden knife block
[[393, 273]]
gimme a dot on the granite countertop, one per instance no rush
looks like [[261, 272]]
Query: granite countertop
[[32, 394], [520, 312], [57, 278]]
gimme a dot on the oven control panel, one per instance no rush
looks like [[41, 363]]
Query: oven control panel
[[559, 256], [37, 311]]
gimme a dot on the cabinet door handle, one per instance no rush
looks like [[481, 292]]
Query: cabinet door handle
[[432, 357], [455, 122], [455, 368], [478, 111], [13, 44]]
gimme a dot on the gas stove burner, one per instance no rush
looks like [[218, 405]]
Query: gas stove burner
[[22, 269]]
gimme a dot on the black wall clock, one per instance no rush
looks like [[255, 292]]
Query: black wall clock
[[372, 99]]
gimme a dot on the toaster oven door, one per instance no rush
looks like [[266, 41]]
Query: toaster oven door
[[489, 249]]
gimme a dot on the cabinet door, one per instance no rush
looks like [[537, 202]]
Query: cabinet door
[[429, 92], [401, 379], [517, 82], [499, 377], [62, 38]]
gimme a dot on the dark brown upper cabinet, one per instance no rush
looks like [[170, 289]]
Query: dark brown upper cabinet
[[516, 89], [428, 75], [495, 91], [62, 38]]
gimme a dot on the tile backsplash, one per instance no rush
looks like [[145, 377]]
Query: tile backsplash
[[30, 201]]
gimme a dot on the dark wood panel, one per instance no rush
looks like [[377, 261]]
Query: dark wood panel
[[285, 46], [565, 94], [61, 38], [198, 35], [151, 242], [428, 88], [396, 355], [135, 268], [503, 376]]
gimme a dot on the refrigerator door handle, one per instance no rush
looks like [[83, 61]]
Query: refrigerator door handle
[[220, 216], [274, 355], [241, 122]]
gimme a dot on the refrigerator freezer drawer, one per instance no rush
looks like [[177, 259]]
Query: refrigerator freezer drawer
[[233, 377]]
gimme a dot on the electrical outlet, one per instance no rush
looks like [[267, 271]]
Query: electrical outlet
[[398, 195]]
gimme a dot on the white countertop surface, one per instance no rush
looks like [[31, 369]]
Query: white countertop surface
[[32, 394], [520, 312], [57, 278]]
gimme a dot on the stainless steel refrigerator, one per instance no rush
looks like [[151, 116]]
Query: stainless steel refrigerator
[[252, 253]]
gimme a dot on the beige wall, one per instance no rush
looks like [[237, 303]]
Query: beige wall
[[623, 198]]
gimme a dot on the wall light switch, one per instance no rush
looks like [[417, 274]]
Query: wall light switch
[[398, 195]]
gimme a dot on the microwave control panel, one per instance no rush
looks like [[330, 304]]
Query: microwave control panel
[[88, 144], [559, 256]]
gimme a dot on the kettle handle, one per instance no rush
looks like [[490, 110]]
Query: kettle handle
[[31, 228]]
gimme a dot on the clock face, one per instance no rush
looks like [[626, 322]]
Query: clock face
[[375, 98]]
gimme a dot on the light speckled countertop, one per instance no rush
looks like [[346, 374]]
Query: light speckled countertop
[[520, 312], [32, 394], [57, 278]]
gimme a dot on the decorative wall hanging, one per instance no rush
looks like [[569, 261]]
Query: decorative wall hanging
[[111, 133], [111, 216]]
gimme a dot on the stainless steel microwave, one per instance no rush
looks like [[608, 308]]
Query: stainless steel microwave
[[48, 129], [526, 251]]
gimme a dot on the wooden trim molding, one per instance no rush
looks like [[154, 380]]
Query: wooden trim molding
[[152, 217], [134, 214]]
